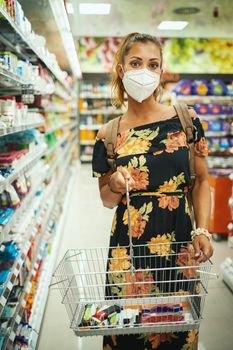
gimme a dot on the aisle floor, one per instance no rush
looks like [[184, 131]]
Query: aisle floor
[[88, 225]]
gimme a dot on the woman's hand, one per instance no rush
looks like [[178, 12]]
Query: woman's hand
[[117, 181], [203, 248]]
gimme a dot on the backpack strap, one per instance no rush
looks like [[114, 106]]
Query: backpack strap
[[111, 132], [187, 125]]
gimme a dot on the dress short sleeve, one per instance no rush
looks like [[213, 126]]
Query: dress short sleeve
[[201, 147], [99, 160]]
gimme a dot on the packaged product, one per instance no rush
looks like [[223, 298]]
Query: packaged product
[[200, 87]]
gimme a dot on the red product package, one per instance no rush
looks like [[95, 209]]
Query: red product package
[[158, 318]]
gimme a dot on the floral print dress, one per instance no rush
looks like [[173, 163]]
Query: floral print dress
[[157, 157]]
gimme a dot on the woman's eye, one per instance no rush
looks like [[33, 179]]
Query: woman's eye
[[154, 65], [135, 64]]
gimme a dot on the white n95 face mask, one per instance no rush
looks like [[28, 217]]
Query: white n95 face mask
[[141, 83]]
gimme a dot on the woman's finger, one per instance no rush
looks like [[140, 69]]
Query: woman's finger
[[125, 173]]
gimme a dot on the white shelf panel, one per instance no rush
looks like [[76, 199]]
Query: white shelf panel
[[95, 96], [68, 124], [217, 133], [207, 117], [86, 158], [90, 127], [15, 129], [87, 143], [101, 111], [196, 98]]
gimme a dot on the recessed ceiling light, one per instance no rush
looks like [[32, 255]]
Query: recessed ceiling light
[[172, 25], [94, 9], [186, 10], [69, 8]]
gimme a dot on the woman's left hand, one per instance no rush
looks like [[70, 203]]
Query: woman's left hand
[[203, 248]]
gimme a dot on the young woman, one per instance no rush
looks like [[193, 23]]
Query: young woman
[[152, 154]]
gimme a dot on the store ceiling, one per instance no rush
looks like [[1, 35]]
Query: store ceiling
[[131, 15], [144, 16]]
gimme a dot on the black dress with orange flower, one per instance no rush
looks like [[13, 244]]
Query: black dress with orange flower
[[157, 157]]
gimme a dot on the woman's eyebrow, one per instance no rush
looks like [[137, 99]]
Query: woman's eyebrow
[[151, 59], [139, 58]]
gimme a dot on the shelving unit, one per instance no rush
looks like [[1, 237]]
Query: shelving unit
[[95, 109], [35, 225], [219, 133], [25, 47]]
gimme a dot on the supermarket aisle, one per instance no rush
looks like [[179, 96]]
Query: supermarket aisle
[[88, 224]]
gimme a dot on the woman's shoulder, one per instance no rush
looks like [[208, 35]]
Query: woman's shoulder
[[102, 132]]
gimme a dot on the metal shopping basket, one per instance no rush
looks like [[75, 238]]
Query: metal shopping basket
[[150, 288]]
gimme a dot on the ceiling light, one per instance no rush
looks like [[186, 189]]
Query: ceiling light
[[172, 25], [94, 9], [60, 14], [61, 18], [69, 8]]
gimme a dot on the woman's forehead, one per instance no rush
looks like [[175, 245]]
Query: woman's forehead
[[144, 50]]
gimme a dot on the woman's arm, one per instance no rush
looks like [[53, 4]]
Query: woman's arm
[[109, 198], [112, 185], [201, 194], [202, 206]]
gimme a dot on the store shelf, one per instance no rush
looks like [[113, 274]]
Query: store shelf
[[18, 212], [9, 79], [60, 92], [24, 164], [68, 124], [101, 111], [196, 98], [15, 129], [86, 158], [47, 271], [95, 96], [90, 127], [12, 28], [227, 272], [214, 116], [217, 133], [56, 109], [7, 287], [22, 303], [87, 142], [58, 144]]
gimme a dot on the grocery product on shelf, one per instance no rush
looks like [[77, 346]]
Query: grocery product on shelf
[[38, 142], [95, 109], [212, 100]]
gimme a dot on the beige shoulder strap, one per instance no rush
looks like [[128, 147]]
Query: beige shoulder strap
[[110, 141], [187, 125]]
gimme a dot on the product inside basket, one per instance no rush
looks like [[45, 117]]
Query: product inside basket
[[133, 315]]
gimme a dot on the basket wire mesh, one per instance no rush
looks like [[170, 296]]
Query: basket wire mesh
[[151, 288]]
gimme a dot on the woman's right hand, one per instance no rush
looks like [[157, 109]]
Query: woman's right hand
[[117, 181]]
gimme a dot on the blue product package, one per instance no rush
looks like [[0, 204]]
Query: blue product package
[[4, 275], [183, 87], [214, 125], [5, 215], [10, 252], [2, 339], [217, 87], [200, 87]]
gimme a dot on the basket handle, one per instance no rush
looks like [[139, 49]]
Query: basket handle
[[129, 221]]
